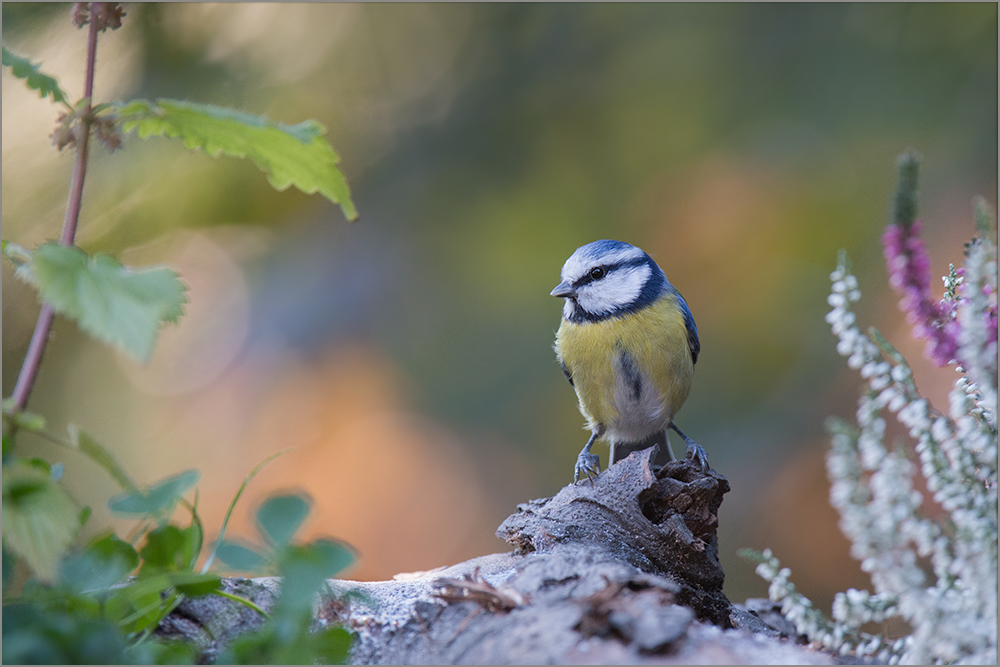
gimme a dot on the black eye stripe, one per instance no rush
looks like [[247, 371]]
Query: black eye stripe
[[588, 277]]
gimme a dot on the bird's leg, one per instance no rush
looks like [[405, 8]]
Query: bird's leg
[[586, 463], [694, 450]]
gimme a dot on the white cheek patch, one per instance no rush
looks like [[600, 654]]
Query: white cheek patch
[[581, 261], [616, 290], [568, 309]]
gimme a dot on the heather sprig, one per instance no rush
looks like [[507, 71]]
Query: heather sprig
[[909, 266], [951, 605]]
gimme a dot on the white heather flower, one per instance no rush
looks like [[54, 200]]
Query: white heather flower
[[953, 612]]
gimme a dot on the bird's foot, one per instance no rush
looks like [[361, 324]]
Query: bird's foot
[[697, 452], [587, 464]]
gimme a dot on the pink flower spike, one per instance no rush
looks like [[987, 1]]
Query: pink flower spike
[[908, 267]]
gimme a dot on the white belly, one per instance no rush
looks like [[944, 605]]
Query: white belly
[[640, 407]]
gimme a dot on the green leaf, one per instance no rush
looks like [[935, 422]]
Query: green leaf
[[163, 581], [288, 642], [105, 562], [239, 556], [102, 457], [305, 568], [42, 636], [161, 652], [39, 518], [332, 646], [280, 516], [142, 604], [23, 68], [29, 421], [194, 535], [84, 515], [168, 548], [159, 498], [232, 505], [289, 154], [198, 584], [113, 303], [39, 464]]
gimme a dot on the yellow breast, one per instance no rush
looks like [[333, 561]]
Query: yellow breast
[[631, 374]]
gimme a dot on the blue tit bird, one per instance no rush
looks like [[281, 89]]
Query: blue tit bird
[[628, 345]]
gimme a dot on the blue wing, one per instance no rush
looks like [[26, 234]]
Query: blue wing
[[693, 343]]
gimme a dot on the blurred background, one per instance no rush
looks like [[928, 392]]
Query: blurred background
[[408, 356]]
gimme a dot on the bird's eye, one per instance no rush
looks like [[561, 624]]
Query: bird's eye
[[598, 273]]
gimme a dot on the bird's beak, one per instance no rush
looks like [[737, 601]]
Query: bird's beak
[[563, 289]]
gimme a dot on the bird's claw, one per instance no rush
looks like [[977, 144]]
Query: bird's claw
[[697, 452], [587, 464]]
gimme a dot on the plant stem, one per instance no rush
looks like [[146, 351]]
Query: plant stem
[[242, 601], [33, 359], [232, 505]]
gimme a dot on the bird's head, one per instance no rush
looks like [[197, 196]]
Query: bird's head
[[608, 279]]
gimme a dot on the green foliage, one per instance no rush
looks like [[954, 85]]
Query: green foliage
[[289, 154], [159, 499], [102, 603], [170, 548], [23, 68], [104, 563], [240, 557], [304, 569], [87, 592], [279, 518], [248, 559], [32, 635], [26, 420], [289, 643], [118, 305], [93, 450], [40, 520]]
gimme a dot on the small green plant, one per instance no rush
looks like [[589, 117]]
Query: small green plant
[[102, 602], [937, 571]]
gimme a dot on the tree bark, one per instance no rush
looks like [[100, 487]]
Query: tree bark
[[624, 570]]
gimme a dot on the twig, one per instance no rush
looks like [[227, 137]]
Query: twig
[[475, 588]]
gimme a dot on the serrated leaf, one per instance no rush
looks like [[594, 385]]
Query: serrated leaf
[[289, 154], [280, 516], [114, 303], [102, 457], [23, 68], [39, 518], [159, 498]]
